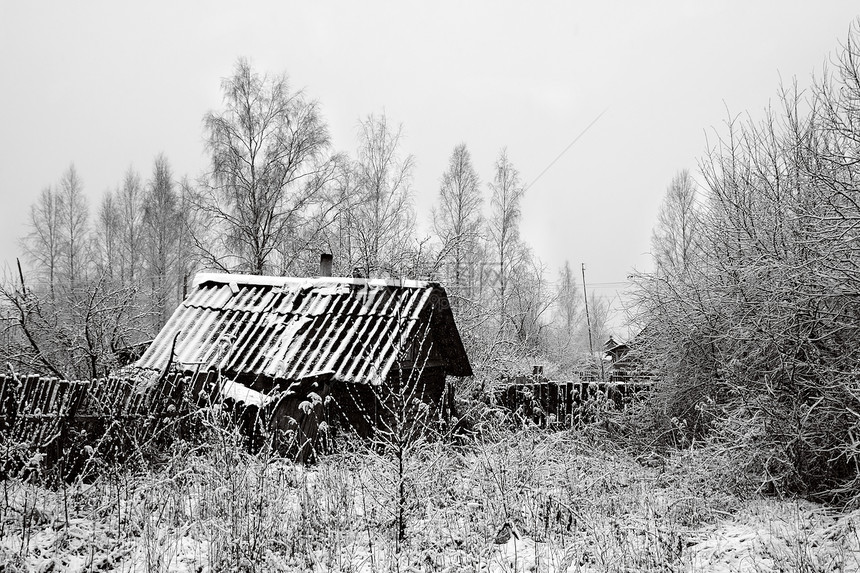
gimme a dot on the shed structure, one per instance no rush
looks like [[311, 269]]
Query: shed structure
[[312, 350]]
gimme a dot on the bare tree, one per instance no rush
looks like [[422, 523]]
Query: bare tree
[[73, 226], [42, 243], [59, 244], [383, 220], [130, 206], [569, 300], [189, 225], [340, 238], [162, 226], [73, 326], [761, 321], [75, 336], [530, 302], [78, 314], [568, 314], [121, 251], [457, 221], [504, 226], [267, 149], [107, 239], [675, 240]]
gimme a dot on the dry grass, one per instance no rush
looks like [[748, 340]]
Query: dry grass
[[578, 502]]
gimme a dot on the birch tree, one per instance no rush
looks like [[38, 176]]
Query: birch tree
[[568, 314], [383, 220], [130, 206], [73, 227], [162, 226], [504, 226], [268, 167], [675, 241], [457, 220], [42, 243], [107, 239]]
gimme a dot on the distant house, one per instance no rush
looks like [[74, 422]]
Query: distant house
[[313, 350], [625, 361], [615, 351]]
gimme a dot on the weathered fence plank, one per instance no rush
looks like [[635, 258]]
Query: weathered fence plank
[[36, 412], [564, 403]]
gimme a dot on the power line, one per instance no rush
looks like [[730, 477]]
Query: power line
[[551, 163]]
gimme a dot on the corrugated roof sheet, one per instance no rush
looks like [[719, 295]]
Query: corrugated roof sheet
[[290, 329]]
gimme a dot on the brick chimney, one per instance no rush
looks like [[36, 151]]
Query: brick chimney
[[325, 265]]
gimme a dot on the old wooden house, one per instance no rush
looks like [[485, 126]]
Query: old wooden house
[[311, 354]]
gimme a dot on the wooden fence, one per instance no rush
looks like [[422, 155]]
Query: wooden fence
[[109, 418], [52, 416], [565, 403]]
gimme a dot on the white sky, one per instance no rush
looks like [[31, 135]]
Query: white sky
[[106, 86]]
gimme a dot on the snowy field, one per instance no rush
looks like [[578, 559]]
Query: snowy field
[[576, 502]]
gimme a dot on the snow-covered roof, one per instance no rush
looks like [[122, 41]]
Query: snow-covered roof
[[262, 280], [283, 328]]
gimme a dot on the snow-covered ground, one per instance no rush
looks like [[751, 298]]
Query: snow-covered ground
[[575, 508]]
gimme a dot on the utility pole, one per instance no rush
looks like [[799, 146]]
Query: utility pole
[[588, 322]]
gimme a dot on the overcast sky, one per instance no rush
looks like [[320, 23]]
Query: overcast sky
[[105, 86]]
